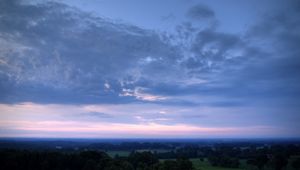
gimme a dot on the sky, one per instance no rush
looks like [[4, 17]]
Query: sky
[[150, 69]]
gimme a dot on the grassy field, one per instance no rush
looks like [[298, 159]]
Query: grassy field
[[126, 153], [153, 150], [120, 153], [204, 165]]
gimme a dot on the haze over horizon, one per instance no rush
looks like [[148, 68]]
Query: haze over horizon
[[150, 69]]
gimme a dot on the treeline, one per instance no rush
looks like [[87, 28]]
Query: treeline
[[274, 157], [87, 160], [231, 151], [129, 146], [82, 145]]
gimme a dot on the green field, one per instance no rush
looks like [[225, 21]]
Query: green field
[[204, 165], [153, 150], [120, 153], [126, 153]]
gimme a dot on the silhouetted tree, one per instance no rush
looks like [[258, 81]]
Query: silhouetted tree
[[279, 161], [184, 164], [141, 160], [259, 161], [296, 164], [169, 165]]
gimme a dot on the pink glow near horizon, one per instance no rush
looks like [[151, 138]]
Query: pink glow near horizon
[[35, 120], [143, 130]]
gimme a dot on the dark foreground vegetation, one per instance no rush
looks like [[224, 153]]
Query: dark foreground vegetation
[[153, 155], [86, 160]]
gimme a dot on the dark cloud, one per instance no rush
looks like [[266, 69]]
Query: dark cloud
[[277, 72], [212, 48], [259, 67], [199, 12], [54, 53]]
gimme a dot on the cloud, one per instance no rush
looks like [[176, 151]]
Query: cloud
[[212, 49], [199, 12], [260, 66], [139, 94], [60, 64], [274, 72], [54, 53], [64, 55]]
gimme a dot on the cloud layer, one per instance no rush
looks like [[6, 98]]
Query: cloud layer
[[198, 77]]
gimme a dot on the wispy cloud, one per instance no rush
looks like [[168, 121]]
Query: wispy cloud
[[139, 94]]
